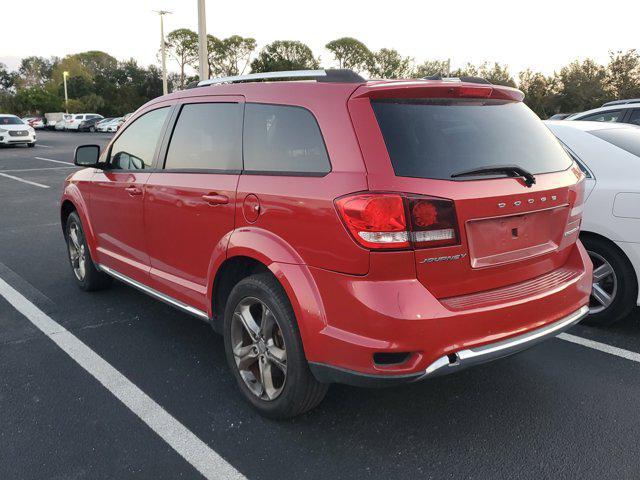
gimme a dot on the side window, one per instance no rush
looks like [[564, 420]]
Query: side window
[[279, 138], [207, 136], [635, 117], [610, 116], [575, 158], [134, 149]]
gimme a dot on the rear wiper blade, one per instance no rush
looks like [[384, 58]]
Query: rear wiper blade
[[509, 170]]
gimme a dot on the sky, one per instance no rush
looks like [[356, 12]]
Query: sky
[[542, 35]]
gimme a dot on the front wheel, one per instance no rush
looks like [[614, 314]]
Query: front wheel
[[615, 286], [264, 350], [92, 129], [87, 276]]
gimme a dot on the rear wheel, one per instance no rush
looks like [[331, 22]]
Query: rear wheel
[[92, 129], [87, 276], [264, 349], [615, 287]]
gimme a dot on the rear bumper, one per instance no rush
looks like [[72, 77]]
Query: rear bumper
[[453, 362], [376, 314]]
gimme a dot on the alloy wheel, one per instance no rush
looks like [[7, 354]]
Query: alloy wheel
[[259, 349], [77, 251], [605, 284]]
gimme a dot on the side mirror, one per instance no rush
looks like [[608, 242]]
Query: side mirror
[[87, 156]]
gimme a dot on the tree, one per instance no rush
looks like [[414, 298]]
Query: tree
[[182, 46], [283, 55], [494, 73], [37, 100], [350, 53], [431, 67], [229, 56], [388, 63], [623, 74], [538, 93], [34, 71], [582, 85], [7, 78]]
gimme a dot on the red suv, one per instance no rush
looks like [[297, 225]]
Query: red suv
[[337, 229]]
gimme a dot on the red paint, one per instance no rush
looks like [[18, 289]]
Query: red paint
[[173, 231]]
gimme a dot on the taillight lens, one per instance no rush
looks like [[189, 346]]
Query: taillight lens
[[394, 221], [375, 220], [433, 222]]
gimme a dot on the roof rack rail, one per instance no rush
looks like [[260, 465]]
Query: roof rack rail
[[438, 76], [329, 75], [621, 102]]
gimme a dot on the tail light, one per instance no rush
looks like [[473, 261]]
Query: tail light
[[395, 221]]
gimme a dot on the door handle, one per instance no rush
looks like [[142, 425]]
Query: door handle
[[215, 199], [133, 191]]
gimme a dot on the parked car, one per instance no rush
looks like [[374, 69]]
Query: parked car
[[102, 125], [338, 230], [609, 155], [114, 125], [613, 112], [61, 125], [74, 121], [54, 119], [35, 122], [14, 131], [89, 125], [559, 116]]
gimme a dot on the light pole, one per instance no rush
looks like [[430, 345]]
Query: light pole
[[163, 49], [202, 41], [66, 98]]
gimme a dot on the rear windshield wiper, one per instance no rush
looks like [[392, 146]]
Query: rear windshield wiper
[[509, 170]]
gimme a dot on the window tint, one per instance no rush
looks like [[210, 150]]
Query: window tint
[[635, 117], [207, 136], [436, 138], [134, 149], [79, 117], [280, 138], [625, 138], [610, 116], [10, 121]]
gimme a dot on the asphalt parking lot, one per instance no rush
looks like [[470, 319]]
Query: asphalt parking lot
[[560, 410]]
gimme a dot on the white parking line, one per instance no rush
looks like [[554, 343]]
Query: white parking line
[[45, 146], [179, 437], [52, 160], [24, 181], [39, 169], [602, 347]]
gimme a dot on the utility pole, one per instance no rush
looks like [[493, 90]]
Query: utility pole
[[66, 98], [203, 57], [163, 49]]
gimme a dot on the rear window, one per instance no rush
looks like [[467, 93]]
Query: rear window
[[625, 138], [436, 138], [285, 139]]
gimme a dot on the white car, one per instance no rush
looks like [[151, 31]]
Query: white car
[[114, 125], [609, 155], [14, 131], [74, 121], [60, 125], [619, 111]]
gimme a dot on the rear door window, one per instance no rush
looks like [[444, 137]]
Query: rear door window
[[207, 136], [283, 139], [610, 116], [634, 118], [436, 138], [625, 138]]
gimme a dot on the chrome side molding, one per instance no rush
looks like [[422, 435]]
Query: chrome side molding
[[474, 356], [154, 293]]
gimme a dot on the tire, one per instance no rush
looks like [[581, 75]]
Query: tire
[[31, 145], [88, 278], [621, 285], [291, 393], [92, 129]]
